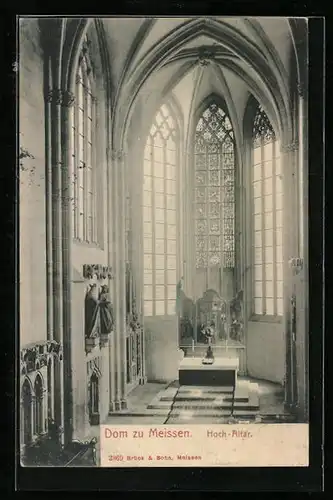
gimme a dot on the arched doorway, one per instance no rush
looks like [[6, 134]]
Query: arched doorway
[[39, 414], [26, 413], [94, 399]]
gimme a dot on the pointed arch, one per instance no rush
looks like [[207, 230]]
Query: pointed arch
[[26, 411], [26, 386], [229, 37], [264, 181], [38, 407], [94, 397], [161, 228], [213, 140], [212, 98], [75, 34]]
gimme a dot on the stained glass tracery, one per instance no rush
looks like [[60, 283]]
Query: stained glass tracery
[[214, 189], [263, 131]]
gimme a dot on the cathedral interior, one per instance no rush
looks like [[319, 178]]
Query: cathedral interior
[[163, 217]]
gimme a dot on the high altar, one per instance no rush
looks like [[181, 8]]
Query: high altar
[[212, 328]]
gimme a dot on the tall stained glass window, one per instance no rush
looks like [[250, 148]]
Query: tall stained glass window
[[83, 174], [267, 206], [214, 190], [159, 216]]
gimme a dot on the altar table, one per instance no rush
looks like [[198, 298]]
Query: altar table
[[222, 373]]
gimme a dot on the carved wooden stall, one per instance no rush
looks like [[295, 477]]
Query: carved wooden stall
[[37, 407]]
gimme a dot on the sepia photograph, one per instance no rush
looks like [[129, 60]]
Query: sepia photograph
[[164, 268]]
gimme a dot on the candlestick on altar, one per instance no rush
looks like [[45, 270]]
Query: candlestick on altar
[[192, 345]]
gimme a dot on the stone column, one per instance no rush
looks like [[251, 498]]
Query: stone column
[[51, 389], [48, 231], [135, 178], [112, 241], [247, 228], [48, 207], [302, 325], [120, 285], [44, 411], [55, 100], [116, 215], [33, 416], [290, 189], [68, 100], [122, 274]]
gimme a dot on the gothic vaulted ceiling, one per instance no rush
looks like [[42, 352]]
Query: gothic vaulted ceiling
[[194, 57]]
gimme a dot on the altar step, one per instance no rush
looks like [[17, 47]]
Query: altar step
[[193, 413], [192, 399], [198, 405], [205, 390], [210, 418], [193, 402]]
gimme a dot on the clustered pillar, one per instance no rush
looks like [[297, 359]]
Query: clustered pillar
[[289, 163], [54, 100], [118, 349]]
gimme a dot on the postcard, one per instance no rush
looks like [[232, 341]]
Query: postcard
[[164, 263]]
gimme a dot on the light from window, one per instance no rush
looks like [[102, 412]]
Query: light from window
[[214, 190], [83, 178], [267, 219], [159, 217]]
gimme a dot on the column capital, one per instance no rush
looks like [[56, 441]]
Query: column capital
[[287, 148], [61, 97]]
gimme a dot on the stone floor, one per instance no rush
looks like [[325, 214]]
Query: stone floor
[[271, 401], [271, 408]]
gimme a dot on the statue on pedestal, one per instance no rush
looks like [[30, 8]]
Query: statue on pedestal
[[92, 313], [106, 312], [98, 312]]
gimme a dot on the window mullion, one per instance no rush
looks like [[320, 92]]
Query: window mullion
[[207, 217], [77, 162], [165, 228], [263, 240], [274, 227], [253, 233], [222, 209], [85, 162], [153, 235], [72, 171], [93, 167]]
